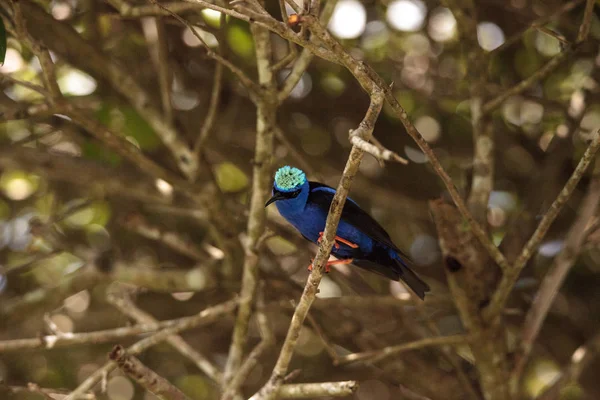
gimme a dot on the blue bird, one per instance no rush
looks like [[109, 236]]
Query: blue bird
[[359, 240]]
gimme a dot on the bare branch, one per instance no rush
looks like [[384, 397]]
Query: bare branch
[[380, 153], [378, 355], [144, 376], [108, 335], [209, 314], [312, 390]]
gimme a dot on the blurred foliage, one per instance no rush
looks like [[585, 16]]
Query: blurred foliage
[[415, 44]]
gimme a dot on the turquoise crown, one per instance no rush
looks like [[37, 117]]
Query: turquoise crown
[[288, 179]]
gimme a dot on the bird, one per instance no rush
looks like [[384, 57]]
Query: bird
[[359, 240]]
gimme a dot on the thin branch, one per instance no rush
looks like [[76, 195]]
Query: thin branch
[[52, 392], [212, 109], [547, 69], [123, 303], [104, 336], [378, 152], [144, 376], [162, 65], [270, 390], [252, 87], [313, 390], [137, 223], [555, 277], [42, 53], [584, 28], [378, 355], [266, 342], [209, 314], [533, 79], [511, 275], [305, 58], [127, 10], [215, 95], [540, 22], [31, 86], [266, 110], [119, 79]]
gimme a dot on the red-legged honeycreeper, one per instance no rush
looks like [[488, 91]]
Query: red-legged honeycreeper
[[359, 240]]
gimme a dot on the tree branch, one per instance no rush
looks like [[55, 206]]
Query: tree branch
[[209, 314], [378, 355], [144, 376]]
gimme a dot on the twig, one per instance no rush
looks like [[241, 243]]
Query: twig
[[376, 151], [164, 73], [144, 376], [108, 335], [137, 223], [209, 314], [243, 78], [123, 303], [511, 275], [326, 343], [536, 24], [212, 109], [483, 138], [49, 391], [584, 28], [378, 355], [266, 110], [31, 86], [267, 340], [547, 69], [86, 57], [312, 390], [127, 10], [270, 390], [305, 58], [556, 276]]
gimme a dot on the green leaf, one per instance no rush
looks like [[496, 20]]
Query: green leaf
[[126, 121], [2, 42], [230, 178]]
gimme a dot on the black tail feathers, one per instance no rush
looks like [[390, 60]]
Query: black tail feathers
[[395, 270], [412, 280]]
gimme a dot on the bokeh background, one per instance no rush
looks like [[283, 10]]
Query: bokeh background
[[75, 217]]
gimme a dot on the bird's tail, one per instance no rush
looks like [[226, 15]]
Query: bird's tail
[[395, 268], [411, 279]]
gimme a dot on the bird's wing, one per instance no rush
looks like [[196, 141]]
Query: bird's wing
[[322, 195]]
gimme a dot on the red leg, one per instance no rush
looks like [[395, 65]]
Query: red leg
[[338, 239], [332, 262], [346, 242]]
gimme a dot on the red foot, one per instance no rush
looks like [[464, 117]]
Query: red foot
[[332, 262], [338, 239]]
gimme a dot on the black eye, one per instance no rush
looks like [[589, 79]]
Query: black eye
[[295, 193]]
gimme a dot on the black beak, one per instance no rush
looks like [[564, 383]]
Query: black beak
[[277, 196]]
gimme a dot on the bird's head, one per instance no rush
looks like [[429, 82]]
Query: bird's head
[[290, 183]]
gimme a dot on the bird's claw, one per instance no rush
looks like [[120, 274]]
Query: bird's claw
[[336, 240], [327, 267]]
